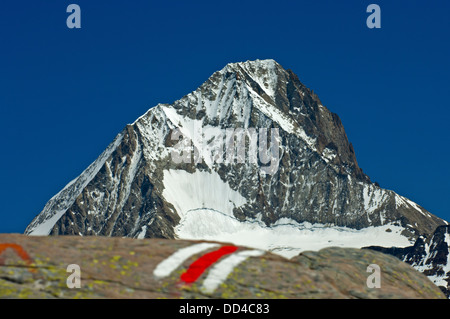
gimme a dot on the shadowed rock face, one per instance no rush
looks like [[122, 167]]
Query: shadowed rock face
[[318, 180], [126, 268], [428, 255]]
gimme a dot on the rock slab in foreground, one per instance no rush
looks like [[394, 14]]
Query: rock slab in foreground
[[36, 267]]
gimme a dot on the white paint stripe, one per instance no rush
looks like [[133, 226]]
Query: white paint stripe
[[168, 265], [222, 269]]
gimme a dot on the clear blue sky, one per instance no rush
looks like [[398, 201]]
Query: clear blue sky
[[66, 93]]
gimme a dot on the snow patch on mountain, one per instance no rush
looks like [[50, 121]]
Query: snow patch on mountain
[[285, 237], [403, 201], [199, 190], [373, 197]]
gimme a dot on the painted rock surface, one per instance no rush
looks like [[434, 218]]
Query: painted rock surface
[[37, 267]]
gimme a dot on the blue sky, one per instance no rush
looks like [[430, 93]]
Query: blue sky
[[66, 93]]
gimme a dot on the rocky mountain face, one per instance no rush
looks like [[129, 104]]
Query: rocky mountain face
[[429, 255], [179, 172], [130, 268], [134, 187]]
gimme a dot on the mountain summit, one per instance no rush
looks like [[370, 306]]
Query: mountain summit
[[200, 168]]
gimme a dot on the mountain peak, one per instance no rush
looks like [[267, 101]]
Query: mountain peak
[[137, 189], [263, 72], [254, 65]]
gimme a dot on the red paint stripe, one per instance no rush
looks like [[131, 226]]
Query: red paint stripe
[[197, 268], [19, 251]]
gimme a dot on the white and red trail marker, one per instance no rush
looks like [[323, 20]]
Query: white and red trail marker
[[220, 269], [168, 265]]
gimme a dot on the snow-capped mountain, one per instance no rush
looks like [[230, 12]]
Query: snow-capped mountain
[[304, 192]]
